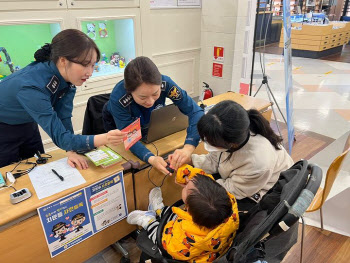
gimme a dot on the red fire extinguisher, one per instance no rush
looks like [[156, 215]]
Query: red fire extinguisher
[[207, 91]]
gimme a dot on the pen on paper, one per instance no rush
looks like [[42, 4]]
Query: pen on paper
[[59, 176]]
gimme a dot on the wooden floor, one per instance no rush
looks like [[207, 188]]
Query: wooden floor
[[319, 246], [344, 56]]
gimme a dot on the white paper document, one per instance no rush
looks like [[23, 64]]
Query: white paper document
[[47, 183]]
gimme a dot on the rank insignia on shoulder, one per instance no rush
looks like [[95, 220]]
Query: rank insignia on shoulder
[[163, 86], [53, 84], [175, 93], [126, 100]]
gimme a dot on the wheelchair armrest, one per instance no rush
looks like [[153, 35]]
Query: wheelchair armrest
[[163, 221]]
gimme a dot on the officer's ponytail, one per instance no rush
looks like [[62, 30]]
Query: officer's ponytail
[[43, 54], [71, 44]]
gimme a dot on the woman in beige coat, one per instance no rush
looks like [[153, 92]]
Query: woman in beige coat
[[248, 157]]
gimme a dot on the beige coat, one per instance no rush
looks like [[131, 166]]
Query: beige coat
[[254, 168]]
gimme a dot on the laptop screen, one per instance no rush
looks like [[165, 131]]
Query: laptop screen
[[163, 122]]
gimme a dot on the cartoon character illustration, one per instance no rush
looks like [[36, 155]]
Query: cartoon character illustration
[[105, 222], [215, 243], [186, 243], [102, 30], [184, 252], [164, 244], [114, 59], [234, 216], [77, 221], [60, 230], [91, 32], [186, 172], [169, 231], [190, 238], [121, 63], [213, 256], [104, 58]]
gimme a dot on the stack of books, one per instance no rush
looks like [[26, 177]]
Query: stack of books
[[104, 157]]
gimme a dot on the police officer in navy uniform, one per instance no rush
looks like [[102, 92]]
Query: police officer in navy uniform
[[143, 90], [42, 93]]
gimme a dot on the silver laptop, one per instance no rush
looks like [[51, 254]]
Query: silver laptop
[[165, 121]]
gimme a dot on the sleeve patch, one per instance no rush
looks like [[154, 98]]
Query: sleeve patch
[[175, 93], [53, 84], [126, 100], [163, 86]]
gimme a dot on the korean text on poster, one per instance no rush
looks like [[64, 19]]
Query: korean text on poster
[[74, 218], [217, 70], [66, 222], [107, 202]]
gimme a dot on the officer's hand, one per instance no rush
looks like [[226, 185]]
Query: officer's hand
[[115, 137], [181, 156], [76, 160], [158, 163]]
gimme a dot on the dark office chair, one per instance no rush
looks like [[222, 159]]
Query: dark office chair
[[277, 212], [93, 122]]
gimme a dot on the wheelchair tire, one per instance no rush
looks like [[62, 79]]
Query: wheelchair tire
[[124, 260]]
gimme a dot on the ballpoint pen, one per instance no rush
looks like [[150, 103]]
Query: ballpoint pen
[[59, 176]]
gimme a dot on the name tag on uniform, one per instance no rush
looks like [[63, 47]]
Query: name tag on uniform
[[53, 84], [163, 86]]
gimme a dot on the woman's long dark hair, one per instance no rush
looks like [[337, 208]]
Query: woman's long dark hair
[[72, 44], [141, 70], [229, 123]]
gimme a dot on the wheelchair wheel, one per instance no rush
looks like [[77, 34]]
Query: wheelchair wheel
[[124, 260]]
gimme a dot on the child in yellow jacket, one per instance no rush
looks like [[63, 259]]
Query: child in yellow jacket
[[204, 230]]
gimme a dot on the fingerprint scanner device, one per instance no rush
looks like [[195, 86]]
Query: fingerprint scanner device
[[20, 195], [2, 181]]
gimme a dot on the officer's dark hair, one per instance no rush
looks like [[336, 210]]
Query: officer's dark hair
[[141, 70], [72, 44], [208, 203], [228, 124]]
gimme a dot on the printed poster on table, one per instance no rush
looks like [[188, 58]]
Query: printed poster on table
[[78, 216], [107, 202]]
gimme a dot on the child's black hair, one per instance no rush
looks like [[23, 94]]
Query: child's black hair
[[208, 203]]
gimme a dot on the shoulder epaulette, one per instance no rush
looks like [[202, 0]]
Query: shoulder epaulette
[[126, 100]]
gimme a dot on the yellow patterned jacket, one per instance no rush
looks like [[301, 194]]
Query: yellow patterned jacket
[[184, 240]]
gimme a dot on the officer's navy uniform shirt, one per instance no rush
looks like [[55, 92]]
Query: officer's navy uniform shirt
[[125, 110], [38, 93]]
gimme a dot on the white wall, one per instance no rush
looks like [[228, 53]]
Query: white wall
[[171, 38], [222, 24]]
